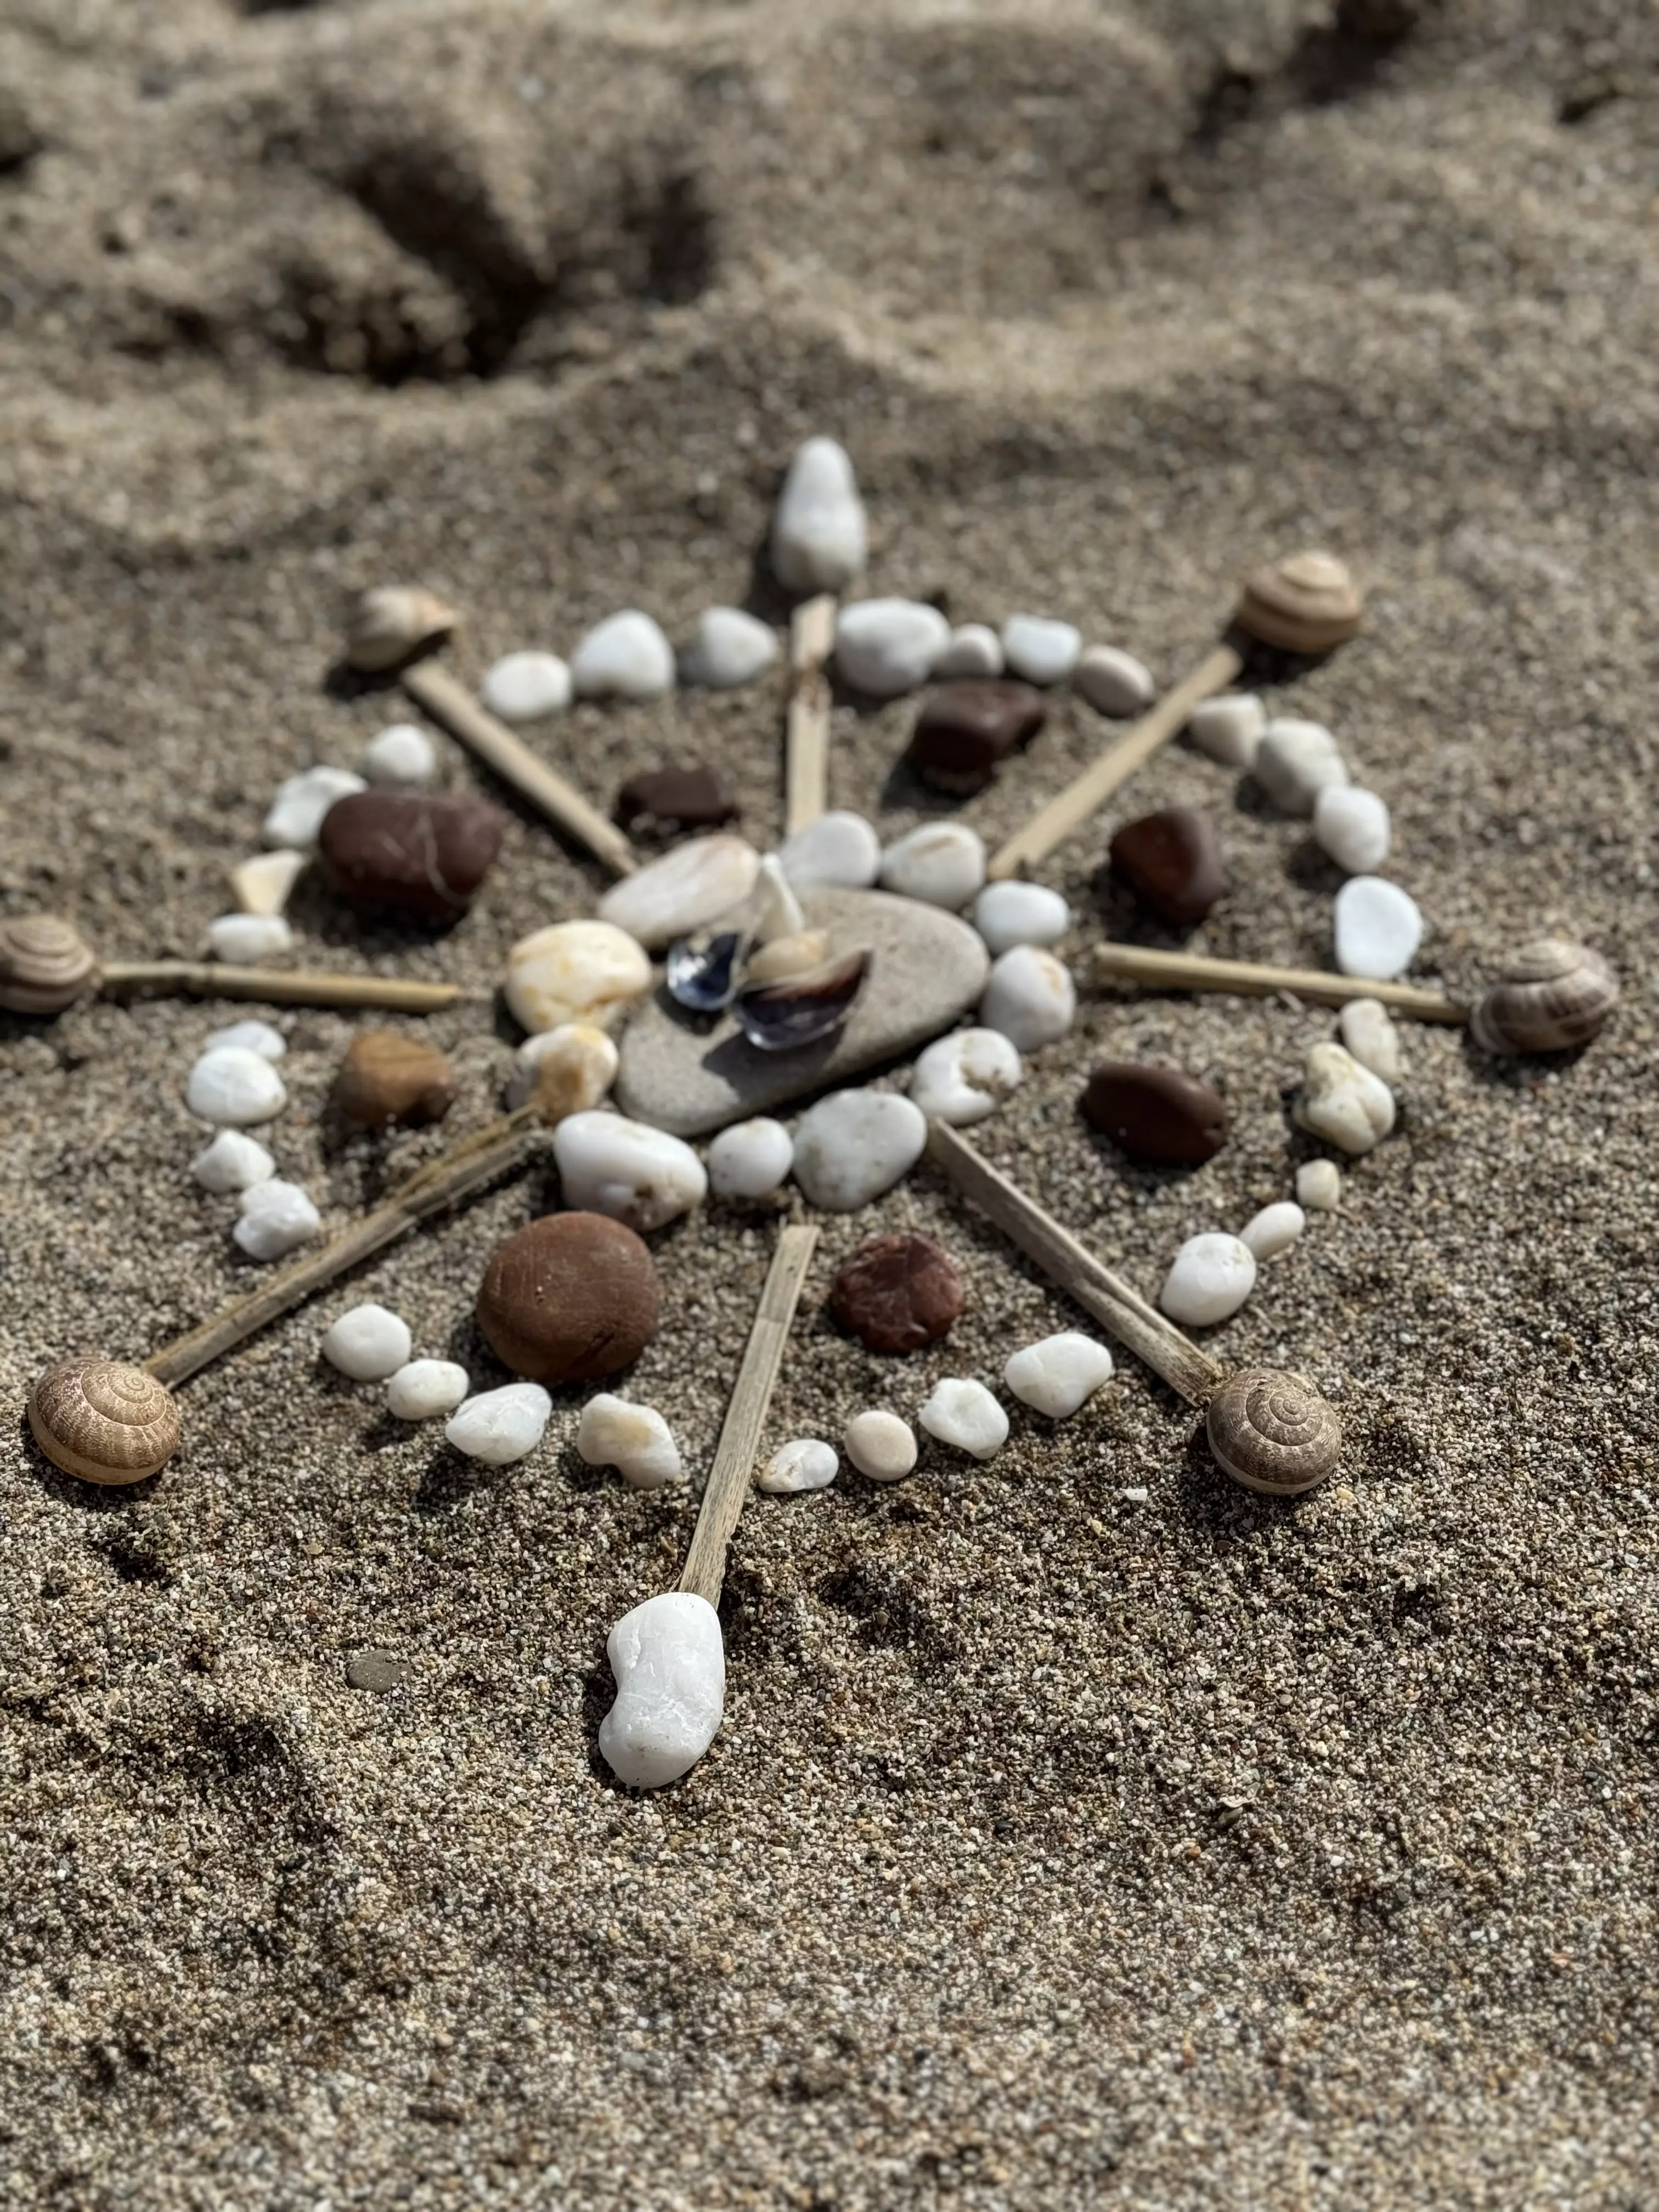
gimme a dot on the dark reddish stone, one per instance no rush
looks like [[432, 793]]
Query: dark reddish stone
[[1173, 862], [409, 852], [1155, 1115], [898, 1293], [965, 731], [663, 801]]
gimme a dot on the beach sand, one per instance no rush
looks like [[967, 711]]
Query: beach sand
[[1063, 1845]]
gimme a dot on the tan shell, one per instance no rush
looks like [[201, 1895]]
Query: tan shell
[[1273, 1432], [1305, 605], [104, 1420], [44, 965], [1553, 995], [788, 955], [392, 622]]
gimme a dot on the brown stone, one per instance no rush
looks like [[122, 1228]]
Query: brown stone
[[965, 731], [386, 1079], [664, 801], [1174, 863], [409, 851], [1155, 1115], [571, 1297], [898, 1293]]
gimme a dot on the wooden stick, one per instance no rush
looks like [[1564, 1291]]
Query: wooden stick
[[746, 1417], [807, 754], [297, 987], [432, 686], [1084, 796], [1187, 971], [1077, 1271]]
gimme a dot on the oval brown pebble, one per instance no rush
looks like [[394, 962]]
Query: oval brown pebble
[[1155, 1115], [409, 852], [571, 1297], [662, 801], [898, 1293], [1173, 861], [385, 1078], [965, 731]]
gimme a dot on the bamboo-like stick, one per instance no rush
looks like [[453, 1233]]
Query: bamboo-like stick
[[297, 987], [734, 1469], [1075, 1270], [806, 756], [1189, 971]]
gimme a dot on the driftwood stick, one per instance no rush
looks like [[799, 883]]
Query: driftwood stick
[[1189, 971], [807, 754], [1152, 1339], [297, 987], [746, 1417]]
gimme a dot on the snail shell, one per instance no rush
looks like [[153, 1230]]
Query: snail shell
[[1273, 1432], [391, 623], [1553, 994], [104, 1420], [44, 965], [1305, 605]]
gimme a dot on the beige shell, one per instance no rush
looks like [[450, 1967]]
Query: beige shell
[[1553, 995], [44, 965], [1305, 605], [788, 955], [104, 1420], [391, 623], [1273, 1432]]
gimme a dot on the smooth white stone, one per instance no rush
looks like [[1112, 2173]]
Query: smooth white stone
[[854, 1144], [1030, 997], [669, 1664], [248, 1036], [634, 1439], [1367, 1029], [1229, 727], [527, 687], [402, 753], [1113, 682], [624, 657], [963, 1413], [973, 649], [575, 971], [235, 1088], [1378, 929], [751, 1160], [263, 884], [1273, 1230], [731, 647], [1010, 913], [425, 1389], [244, 939], [819, 537], [1040, 650], [277, 1218], [233, 1162], [803, 1463], [499, 1426], [1210, 1277], [885, 647], [368, 1343], [584, 1060], [1060, 1374], [1352, 826], [296, 812], [1343, 1102], [683, 892], [1319, 1185], [880, 1445], [839, 850], [635, 1173], [1295, 762], [965, 1076], [943, 864], [776, 909]]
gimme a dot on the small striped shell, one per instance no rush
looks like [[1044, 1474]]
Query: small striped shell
[[1305, 605], [391, 623], [44, 965], [1553, 995], [1273, 1432], [103, 1420]]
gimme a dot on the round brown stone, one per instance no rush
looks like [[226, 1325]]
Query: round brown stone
[[571, 1297], [385, 1078], [898, 1293], [409, 852], [1155, 1115], [1174, 863]]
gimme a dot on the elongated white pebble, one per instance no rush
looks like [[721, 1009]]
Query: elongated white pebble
[[425, 1389], [1378, 929], [1010, 913], [1353, 827], [234, 1087], [1274, 1229], [242, 940], [1229, 727], [368, 1343], [233, 1162], [1319, 1185], [1059, 1374], [1040, 650], [1296, 760], [277, 1218], [1210, 1277], [580, 1060], [1113, 682], [839, 850], [854, 1144], [751, 1160], [731, 647], [688, 889], [635, 1173], [624, 657], [248, 1036], [1368, 1030], [973, 649], [669, 1664], [296, 812], [886, 646], [963, 1413], [499, 1426], [1343, 1102], [819, 537], [527, 687], [402, 753], [803, 1463], [634, 1439], [1030, 997], [880, 1445], [961, 1077]]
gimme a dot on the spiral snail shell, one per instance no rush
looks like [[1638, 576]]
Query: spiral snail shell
[[44, 965], [1553, 994], [391, 623], [1305, 605], [104, 1420], [1273, 1432]]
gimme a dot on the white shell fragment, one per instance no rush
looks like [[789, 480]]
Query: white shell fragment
[[1229, 727], [402, 753], [1319, 1185], [803, 1463], [634, 1439], [624, 657], [1273, 1230], [1209, 1278], [575, 971], [499, 1426], [961, 1077], [579, 1061], [839, 850], [1113, 682], [819, 538], [248, 1036], [1367, 1029], [425, 1389], [635, 1173], [1040, 650], [527, 687], [277, 1218], [1030, 997], [1010, 913], [234, 1087], [669, 1663], [886, 646], [880, 1445], [683, 892], [245, 938], [942, 863], [1378, 929], [368, 1343], [1295, 762], [854, 1144], [776, 909], [751, 1160], [974, 649], [263, 884], [233, 1162], [1059, 1375], [296, 812], [963, 1413], [731, 647], [1343, 1102], [1352, 826]]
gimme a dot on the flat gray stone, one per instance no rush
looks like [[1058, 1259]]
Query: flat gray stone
[[691, 1076]]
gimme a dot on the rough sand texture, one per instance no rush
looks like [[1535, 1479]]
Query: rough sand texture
[[1057, 1850]]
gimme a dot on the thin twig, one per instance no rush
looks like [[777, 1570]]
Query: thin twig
[[806, 754], [1189, 971], [293, 986]]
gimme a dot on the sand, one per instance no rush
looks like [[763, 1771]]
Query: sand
[[1062, 1847]]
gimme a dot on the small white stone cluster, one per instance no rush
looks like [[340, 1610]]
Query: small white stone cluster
[[372, 1344], [628, 656], [886, 647], [235, 1085]]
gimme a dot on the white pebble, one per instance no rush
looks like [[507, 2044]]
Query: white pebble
[[499, 1426], [1352, 826], [731, 647], [961, 1077], [669, 1664], [974, 649], [296, 812], [803, 1463], [402, 753], [963, 1413], [1319, 1185], [233, 1162], [819, 538], [1378, 929], [1368, 1030], [624, 657], [581, 1061], [575, 971], [235, 1088], [1229, 728], [943, 864], [277, 1218], [839, 850], [1210, 1277], [775, 908], [248, 1036], [1030, 997], [425, 1389], [1274, 1229], [751, 1160], [1295, 762], [634, 1439], [1060, 1374], [263, 884], [885, 647], [880, 1445], [1343, 1102], [1041, 651], [368, 1343], [527, 687], [683, 892], [1010, 913], [240, 939], [635, 1173], [854, 1144], [1113, 682]]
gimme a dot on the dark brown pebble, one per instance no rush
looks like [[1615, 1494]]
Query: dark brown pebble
[[898, 1293], [1173, 861], [376, 1670], [1155, 1115], [965, 731], [662, 801], [571, 1297], [409, 852], [385, 1078]]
